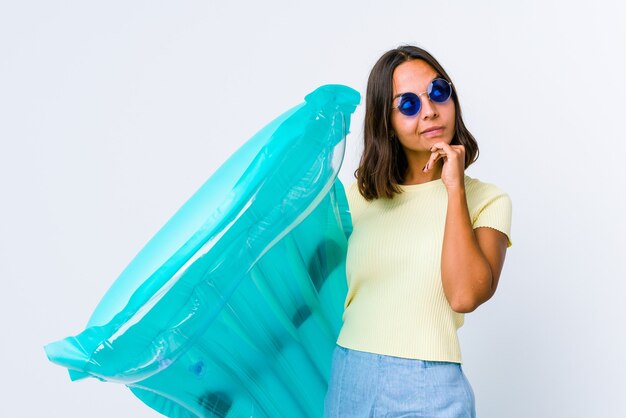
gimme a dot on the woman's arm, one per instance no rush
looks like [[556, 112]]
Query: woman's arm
[[471, 260]]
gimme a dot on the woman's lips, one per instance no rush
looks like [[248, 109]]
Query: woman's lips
[[434, 131]]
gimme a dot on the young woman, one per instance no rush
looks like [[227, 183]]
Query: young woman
[[428, 245]]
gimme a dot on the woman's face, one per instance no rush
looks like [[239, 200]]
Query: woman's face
[[415, 132]]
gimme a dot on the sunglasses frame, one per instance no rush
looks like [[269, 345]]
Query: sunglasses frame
[[427, 92]]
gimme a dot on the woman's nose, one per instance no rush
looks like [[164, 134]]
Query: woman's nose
[[429, 109]]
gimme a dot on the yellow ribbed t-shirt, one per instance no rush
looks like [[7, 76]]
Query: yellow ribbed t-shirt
[[395, 304]]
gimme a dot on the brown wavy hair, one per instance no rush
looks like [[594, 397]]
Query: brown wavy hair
[[384, 164]]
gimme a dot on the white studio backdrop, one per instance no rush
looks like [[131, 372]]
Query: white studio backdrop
[[113, 113]]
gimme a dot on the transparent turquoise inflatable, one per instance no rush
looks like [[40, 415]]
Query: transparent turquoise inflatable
[[233, 308]]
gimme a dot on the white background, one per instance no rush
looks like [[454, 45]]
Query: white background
[[113, 113]]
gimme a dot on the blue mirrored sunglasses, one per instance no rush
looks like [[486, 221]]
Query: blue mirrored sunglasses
[[439, 91]]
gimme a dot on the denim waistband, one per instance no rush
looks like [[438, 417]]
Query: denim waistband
[[399, 361]]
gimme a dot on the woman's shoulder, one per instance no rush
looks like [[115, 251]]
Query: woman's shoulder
[[356, 201], [478, 188], [489, 206], [353, 194], [481, 195]]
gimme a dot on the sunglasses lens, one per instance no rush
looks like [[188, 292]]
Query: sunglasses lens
[[439, 90], [409, 104]]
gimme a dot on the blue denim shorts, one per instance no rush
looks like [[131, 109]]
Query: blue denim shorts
[[374, 385]]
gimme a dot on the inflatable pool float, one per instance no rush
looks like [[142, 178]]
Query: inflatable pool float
[[233, 308]]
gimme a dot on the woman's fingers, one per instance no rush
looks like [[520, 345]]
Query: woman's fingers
[[453, 163], [447, 148], [433, 159], [445, 151]]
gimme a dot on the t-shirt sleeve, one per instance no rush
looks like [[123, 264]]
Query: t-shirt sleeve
[[496, 213]]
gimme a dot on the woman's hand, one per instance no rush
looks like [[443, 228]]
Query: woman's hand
[[453, 157]]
